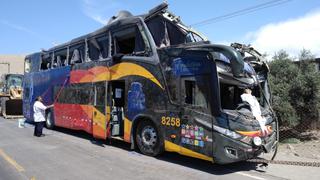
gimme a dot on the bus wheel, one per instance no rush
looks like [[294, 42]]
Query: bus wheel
[[148, 139], [50, 120]]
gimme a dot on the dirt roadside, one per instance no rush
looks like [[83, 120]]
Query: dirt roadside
[[301, 150]]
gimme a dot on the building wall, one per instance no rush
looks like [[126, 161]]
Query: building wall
[[315, 62], [16, 64]]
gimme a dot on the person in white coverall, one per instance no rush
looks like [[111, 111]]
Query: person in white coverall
[[255, 109], [39, 116]]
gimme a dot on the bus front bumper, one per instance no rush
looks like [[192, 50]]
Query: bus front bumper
[[228, 150]]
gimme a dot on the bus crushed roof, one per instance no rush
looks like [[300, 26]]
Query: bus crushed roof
[[122, 18]]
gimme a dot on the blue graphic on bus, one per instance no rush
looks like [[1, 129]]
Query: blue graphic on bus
[[136, 99], [188, 66]]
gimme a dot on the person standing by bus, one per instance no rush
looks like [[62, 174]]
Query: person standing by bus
[[39, 112]]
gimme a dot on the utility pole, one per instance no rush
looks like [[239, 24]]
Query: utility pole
[[8, 64]]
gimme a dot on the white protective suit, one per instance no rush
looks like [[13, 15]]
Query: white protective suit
[[39, 110]]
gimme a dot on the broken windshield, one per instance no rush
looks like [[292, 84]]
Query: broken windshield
[[254, 77], [231, 95]]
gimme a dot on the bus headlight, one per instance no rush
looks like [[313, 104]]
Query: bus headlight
[[257, 141]]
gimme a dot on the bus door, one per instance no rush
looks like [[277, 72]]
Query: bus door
[[196, 126], [100, 115], [117, 103]]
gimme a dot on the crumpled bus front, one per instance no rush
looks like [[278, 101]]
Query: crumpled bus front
[[247, 120]]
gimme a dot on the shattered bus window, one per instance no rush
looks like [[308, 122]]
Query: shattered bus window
[[77, 53], [129, 41], [46, 61], [98, 47], [165, 33], [60, 58], [27, 65]]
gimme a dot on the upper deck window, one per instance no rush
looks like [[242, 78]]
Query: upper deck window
[[165, 33], [77, 53], [98, 47], [193, 37], [129, 41], [27, 65], [60, 58], [46, 61]]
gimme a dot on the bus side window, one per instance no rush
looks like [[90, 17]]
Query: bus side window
[[129, 41], [55, 63], [46, 61], [77, 54], [98, 47], [27, 66], [76, 57], [165, 33], [60, 58]]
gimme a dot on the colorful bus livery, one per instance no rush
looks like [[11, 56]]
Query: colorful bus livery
[[152, 82]]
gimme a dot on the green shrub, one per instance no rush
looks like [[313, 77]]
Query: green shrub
[[295, 88]]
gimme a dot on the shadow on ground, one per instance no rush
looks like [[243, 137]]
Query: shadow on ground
[[174, 158]]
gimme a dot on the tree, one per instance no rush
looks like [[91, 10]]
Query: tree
[[282, 71], [296, 89], [305, 90]]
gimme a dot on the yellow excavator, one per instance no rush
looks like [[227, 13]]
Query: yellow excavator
[[11, 95]]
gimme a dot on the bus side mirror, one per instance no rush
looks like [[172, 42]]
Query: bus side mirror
[[117, 57]]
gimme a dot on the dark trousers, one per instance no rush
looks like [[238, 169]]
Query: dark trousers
[[38, 128]]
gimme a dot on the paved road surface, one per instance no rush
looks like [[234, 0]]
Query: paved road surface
[[66, 154]]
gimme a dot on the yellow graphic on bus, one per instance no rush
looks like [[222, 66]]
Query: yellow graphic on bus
[[170, 121]]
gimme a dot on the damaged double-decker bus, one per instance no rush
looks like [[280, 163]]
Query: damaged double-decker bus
[[151, 81]]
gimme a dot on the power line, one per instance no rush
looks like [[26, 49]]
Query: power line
[[241, 12]]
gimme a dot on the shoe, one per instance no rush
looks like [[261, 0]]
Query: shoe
[[42, 135]]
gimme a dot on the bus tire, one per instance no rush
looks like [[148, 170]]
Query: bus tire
[[50, 120], [148, 138]]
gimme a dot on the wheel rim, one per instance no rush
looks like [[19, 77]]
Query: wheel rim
[[149, 136]]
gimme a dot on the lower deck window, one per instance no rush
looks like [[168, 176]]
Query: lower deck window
[[76, 94]]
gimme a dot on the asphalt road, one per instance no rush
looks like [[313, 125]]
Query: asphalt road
[[66, 154]]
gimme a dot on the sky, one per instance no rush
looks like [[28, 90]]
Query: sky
[[31, 25]]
